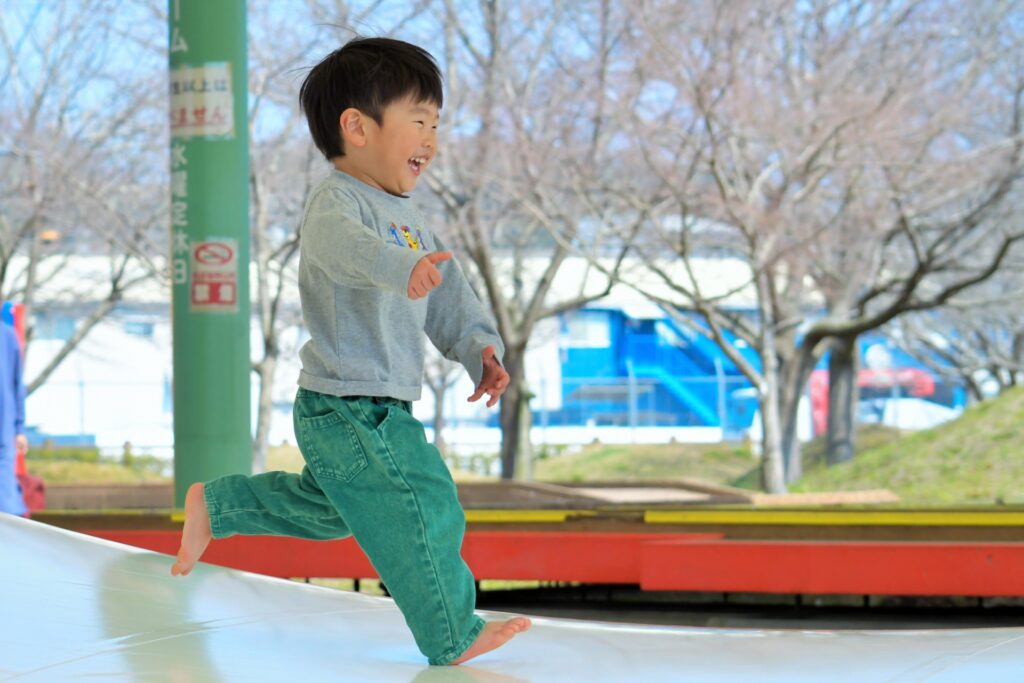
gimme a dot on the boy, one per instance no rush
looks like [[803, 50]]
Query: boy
[[372, 280]]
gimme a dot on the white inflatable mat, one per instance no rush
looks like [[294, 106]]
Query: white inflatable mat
[[76, 608]]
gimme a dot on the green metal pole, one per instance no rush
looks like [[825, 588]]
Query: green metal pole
[[209, 240]]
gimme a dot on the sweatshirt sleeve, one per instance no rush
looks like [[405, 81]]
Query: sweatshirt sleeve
[[457, 323], [334, 239]]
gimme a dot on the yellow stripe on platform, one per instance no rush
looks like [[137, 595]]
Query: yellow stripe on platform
[[836, 518], [513, 516], [492, 516]]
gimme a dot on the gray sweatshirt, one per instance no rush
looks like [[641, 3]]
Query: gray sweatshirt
[[358, 248]]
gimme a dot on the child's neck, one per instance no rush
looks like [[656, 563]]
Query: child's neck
[[352, 167]]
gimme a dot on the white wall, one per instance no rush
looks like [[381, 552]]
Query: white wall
[[115, 385]]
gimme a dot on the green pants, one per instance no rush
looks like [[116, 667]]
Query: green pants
[[369, 473]]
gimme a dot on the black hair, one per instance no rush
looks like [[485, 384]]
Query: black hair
[[367, 74]]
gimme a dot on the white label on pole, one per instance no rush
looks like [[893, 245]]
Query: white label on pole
[[202, 104], [214, 277]]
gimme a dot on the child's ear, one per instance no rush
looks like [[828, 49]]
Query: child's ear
[[352, 123]]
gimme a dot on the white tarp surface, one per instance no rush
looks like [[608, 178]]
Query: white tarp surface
[[75, 608]]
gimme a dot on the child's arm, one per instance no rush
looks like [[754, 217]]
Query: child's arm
[[495, 380], [335, 240], [461, 329]]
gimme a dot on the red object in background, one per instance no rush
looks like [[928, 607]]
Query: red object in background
[[917, 383], [914, 382], [33, 491], [819, 401]]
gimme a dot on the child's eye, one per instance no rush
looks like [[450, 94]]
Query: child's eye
[[418, 123]]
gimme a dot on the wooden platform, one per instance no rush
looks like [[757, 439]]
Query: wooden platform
[[472, 495]]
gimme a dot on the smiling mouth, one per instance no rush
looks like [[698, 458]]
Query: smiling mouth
[[417, 164]]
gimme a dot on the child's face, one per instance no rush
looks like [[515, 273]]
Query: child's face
[[403, 145]]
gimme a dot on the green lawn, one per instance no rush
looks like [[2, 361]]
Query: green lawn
[[55, 469], [74, 472], [977, 458], [723, 464], [713, 463], [289, 459], [85, 465]]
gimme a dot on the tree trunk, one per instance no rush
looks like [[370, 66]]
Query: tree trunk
[[789, 397], [28, 300], [773, 475], [792, 391], [513, 413], [974, 392], [773, 479], [525, 443], [790, 446], [265, 370], [842, 400]]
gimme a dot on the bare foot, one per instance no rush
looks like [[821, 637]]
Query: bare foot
[[196, 535], [494, 635]]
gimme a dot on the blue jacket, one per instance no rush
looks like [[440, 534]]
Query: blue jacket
[[12, 388], [12, 418]]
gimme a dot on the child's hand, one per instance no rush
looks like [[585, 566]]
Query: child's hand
[[494, 381], [425, 276]]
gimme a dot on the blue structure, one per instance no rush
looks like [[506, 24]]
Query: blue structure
[[621, 371], [618, 370]]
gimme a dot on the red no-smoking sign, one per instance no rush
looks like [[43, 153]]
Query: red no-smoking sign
[[214, 274]]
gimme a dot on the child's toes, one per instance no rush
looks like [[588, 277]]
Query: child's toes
[[517, 625]]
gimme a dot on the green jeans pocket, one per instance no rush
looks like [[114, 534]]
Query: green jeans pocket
[[332, 446]]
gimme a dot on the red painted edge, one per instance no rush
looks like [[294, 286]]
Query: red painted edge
[[860, 568], [680, 562]]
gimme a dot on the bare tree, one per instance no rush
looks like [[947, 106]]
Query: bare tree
[[706, 163], [925, 209], [80, 125], [282, 169], [976, 339], [815, 143], [527, 133]]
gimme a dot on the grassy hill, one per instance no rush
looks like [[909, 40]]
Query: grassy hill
[[977, 458], [715, 463]]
